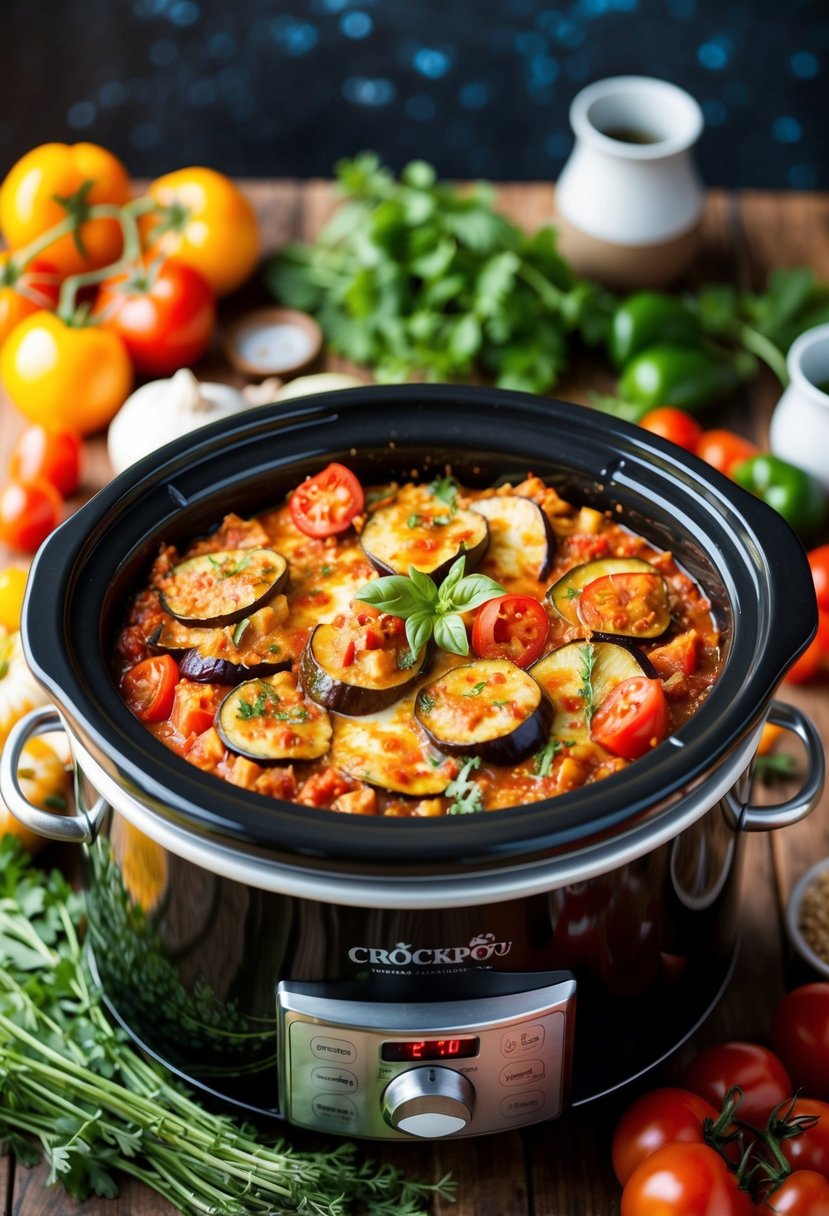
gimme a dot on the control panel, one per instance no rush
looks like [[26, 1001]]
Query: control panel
[[394, 1070]]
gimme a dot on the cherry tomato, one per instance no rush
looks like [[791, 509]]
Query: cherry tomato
[[53, 455], [29, 511], [30, 202], [724, 450], [624, 603], [326, 504], [675, 425], [65, 376], [809, 1150], [35, 287], [803, 1193], [815, 656], [149, 688], [758, 1072], [819, 563], [165, 314], [205, 221], [12, 589], [800, 1034], [632, 719], [684, 1180], [511, 627], [663, 1116]]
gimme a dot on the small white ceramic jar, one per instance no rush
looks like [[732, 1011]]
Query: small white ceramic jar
[[629, 201], [799, 429]]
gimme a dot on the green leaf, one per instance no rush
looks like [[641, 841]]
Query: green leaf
[[475, 590], [495, 281], [397, 595], [419, 630], [420, 174], [466, 337], [446, 590], [450, 634], [423, 585]]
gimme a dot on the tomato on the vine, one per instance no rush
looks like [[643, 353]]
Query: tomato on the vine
[[684, 1180], [810, 1149], [803, 1193], [29, 511], [165, 313], [511, 627], [725, 449], [675, 425], [326, 504], [23, 292], [819, 565], [149, 688], [662, 1116], [800, 1033], [756, 1070], [52, 454], [632, 719]]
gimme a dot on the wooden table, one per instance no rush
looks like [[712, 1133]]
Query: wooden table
[[562, 1168]]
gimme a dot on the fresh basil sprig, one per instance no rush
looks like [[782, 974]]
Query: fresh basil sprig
[[431, 611]]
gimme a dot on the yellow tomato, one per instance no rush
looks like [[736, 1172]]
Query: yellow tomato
[[29, 206], [12, 588], [24, 292], [206, 222], [65, 376], [45, 782]]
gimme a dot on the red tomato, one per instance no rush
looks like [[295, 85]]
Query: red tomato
[[26, 291], [165, 314], [623, 603], [758, 1072], [810, 1150], [684, 1180], [632, 719], [800, 1033], [327, 503], [819, 563], [510, 627], [51, 454], [803, 1193], [814, 657], [29, 511], [675, 425], [724, 449], [149, 687], [663, 1116]]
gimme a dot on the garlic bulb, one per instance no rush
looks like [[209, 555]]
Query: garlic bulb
[[321, 382], [164, 410]]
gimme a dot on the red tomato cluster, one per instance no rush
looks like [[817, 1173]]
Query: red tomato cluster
[[692, 1152], [45, 466], [815, 658]]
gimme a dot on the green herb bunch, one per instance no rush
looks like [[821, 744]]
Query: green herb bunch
[[422, 280]]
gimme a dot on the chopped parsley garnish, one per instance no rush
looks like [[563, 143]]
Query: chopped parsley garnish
[[427, 703], [477, 689], [406, 659], [266, 704], [239, 631], [465, 793], [414, 521], [543, 759], [446, 489], [227, 568], [326, 570], [573, 593]]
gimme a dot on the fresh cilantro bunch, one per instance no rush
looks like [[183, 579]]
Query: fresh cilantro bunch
[[420, 279]]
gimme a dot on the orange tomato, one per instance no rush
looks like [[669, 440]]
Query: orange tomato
[[29, 204], [63, 376], [206, 222], [675, 425], [22, 294], [814, 657], [725, 450]]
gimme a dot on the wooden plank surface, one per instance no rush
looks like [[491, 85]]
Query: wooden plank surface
[[563, 1169]]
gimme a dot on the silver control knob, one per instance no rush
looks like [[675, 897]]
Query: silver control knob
[[428, 1102]]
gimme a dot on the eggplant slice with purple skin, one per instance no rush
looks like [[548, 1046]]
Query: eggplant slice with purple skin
[[418, 529], [270, 720], [522, 542], [213, 656], [603, 620], [370, 683], [223, 588], [489, 708], [581, 675]]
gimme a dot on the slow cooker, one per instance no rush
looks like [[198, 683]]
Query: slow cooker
[[401, 978]]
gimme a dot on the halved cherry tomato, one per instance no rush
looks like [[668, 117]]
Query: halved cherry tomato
[[684, 1180], [165, 313], [800, 1034], [819, 564], [29, 511], [21, 294], [327, 503], [632, 604], [511, 627], [53, 455], [662, 1116], [724, 449], [814, 657], [632, 719], [675, 425], [758, 1072], [149, 688], [803, 1193]]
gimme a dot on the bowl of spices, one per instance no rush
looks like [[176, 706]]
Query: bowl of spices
[[273, 342], [807, 917]]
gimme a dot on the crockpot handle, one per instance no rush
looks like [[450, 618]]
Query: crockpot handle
[[766, 818], [78, 828]]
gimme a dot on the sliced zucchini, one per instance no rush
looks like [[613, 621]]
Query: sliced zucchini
[[565, 592], [489, 708], [583, 674], [387, 750], [521, 539], [418, 529], [371, 681], [222, 588], [271, 720]]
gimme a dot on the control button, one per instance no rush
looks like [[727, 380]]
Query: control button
[[521, 1039], [522, 1072], [428, 1102], [332, 1109], [334, 1049], [335, 1080], [527, 1103]]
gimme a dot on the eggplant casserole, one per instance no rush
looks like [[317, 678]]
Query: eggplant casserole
[[416, 649]]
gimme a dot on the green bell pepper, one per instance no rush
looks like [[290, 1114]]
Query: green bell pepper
[[668, 373], [646, 318], [793, 492]]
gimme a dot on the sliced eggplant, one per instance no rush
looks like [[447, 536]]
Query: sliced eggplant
[[254, 648], [631, 604], [583, 674], [271, 720], [418, 529], [209, 669], [222, 588], [565, 592], [371, 681], [387, 750], [489, 708], [521, 539]]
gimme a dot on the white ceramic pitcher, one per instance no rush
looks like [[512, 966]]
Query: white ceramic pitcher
[[799, 430]]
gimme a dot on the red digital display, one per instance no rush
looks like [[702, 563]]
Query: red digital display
[[430, 1049]]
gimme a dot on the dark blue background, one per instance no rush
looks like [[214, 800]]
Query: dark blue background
[[479, 87]]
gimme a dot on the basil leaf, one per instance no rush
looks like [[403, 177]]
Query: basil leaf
[[475, 590], [424, 585], [450, 634], [419, 630], [395, 594], [447, 587]]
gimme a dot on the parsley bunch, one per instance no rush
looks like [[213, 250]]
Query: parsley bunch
[[420, 279]]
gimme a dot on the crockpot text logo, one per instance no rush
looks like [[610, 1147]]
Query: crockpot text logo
[[480, 950]]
